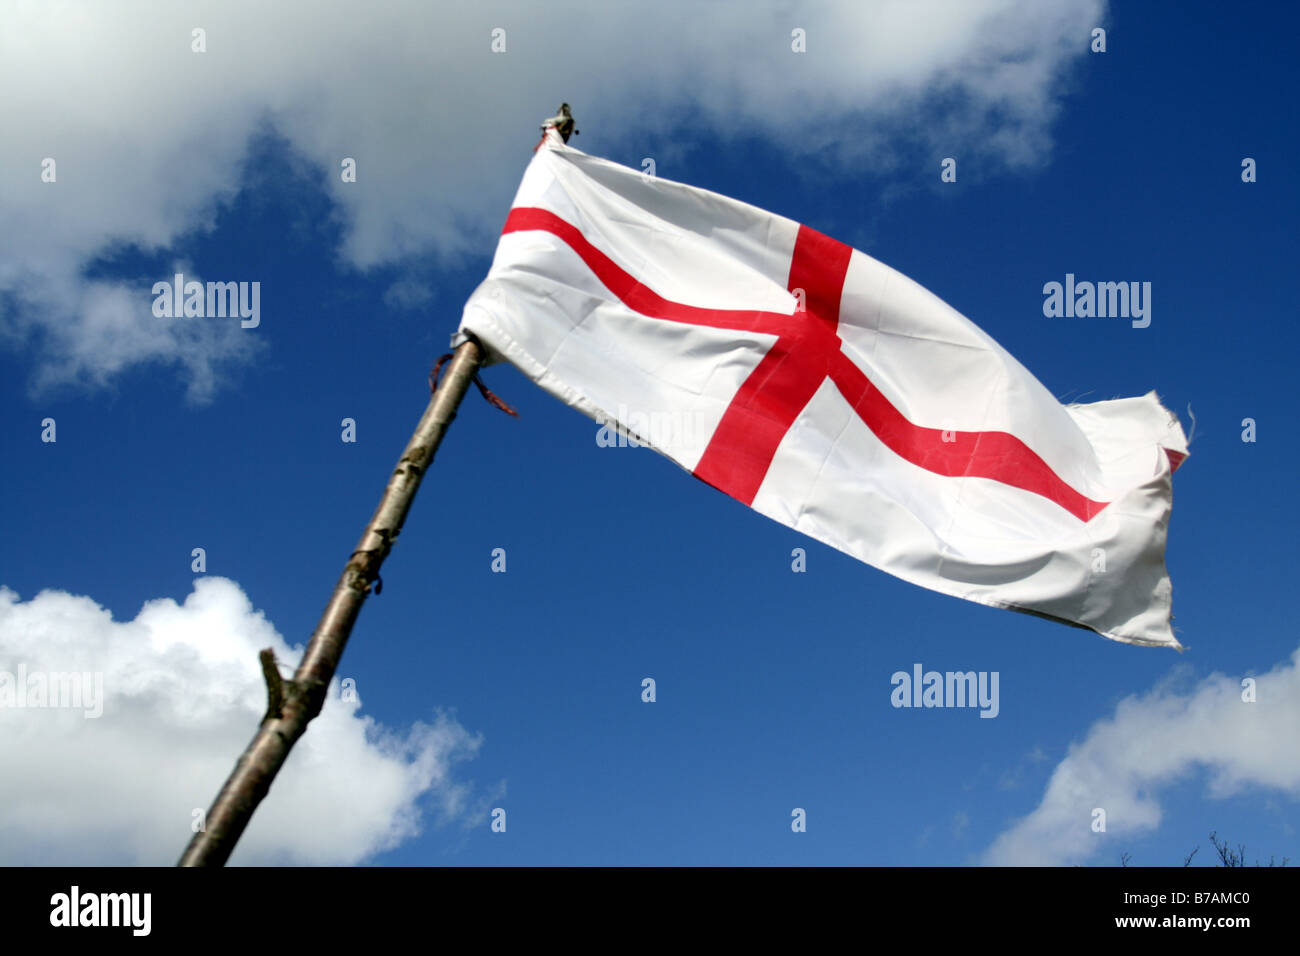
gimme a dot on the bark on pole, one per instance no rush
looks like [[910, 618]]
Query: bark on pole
[[293, 703]]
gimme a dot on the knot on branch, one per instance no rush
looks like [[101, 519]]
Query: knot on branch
[[282, 693], [362, 570], [410, 462], [310, 695]]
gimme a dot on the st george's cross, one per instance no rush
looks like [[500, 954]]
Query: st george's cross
[[836, 395]]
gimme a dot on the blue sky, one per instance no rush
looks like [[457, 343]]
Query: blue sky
[[773, 688]]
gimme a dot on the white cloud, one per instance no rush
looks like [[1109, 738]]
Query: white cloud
[[183, 693], [148, 136], [1151, 742]]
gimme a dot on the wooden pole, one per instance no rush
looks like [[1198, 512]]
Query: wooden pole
[[294, 703]]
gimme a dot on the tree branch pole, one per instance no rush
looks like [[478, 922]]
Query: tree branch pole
[[294, 703]]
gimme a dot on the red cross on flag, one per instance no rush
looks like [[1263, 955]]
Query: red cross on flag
[[830, 393]]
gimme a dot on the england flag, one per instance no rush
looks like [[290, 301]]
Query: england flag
[[831, 393]]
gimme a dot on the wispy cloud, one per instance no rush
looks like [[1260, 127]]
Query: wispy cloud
[[1150, 743]]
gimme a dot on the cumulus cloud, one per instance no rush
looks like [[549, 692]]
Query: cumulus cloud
[[149, 136], [182, 695], [1151, 742]]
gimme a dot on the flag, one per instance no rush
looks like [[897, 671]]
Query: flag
[[831, 393]]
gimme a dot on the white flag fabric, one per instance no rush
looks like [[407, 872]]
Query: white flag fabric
[[830, 393]]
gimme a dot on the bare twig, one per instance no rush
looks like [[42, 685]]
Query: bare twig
[[274, 685]]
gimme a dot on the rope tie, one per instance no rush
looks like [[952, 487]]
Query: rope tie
[[490, 396]]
